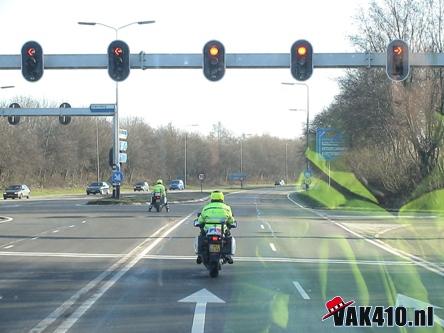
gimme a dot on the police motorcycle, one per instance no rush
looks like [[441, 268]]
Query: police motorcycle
[[158, 202], [215, 246]]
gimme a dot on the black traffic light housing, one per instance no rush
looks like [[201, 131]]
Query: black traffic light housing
[[398, 67], [32, 61], [118, 60], [64, 120], [214, 60], [14, 120], [301, 60]]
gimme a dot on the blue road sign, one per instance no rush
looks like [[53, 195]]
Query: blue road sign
[[117, 177], [237, 176], [307, 173], [330, 143], [102, 107]]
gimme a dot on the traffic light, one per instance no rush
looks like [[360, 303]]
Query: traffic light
[[214, 60], [32, 61], [398, 66], [14, 120], [64, 120], [118, 60], [301, 60]]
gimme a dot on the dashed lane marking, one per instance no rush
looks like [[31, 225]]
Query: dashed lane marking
[[301, 290]]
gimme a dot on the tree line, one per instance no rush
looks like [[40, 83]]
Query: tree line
[[395, 131], [42, 153]]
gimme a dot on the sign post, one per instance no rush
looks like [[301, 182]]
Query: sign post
[[201, 179]]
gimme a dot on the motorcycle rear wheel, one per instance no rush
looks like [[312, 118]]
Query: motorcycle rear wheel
[[214, 270]]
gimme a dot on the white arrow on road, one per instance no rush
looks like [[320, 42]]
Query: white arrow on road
[[413, 303], [201, 298]]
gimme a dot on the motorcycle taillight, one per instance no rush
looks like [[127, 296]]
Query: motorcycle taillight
[[214, 238]]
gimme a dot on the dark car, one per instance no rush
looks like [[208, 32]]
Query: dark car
[[16, 191], [176, 184], [98, 188]]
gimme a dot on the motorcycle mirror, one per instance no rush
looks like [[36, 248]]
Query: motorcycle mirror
[[234, 225], [196, 223]]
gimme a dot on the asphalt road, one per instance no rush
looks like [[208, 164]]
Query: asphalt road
[[66, 266]]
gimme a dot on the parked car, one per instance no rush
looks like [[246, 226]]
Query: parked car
[[98, 188], [279, 182], [176, 184], [141, 186], [16, 191]]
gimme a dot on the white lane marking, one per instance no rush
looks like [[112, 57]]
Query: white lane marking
[[301, 290], [34, 238], [83, 221], [72, 226], [389, 229], [57, 313], [262, 227], [55, 231], [61, 254], [273, 247], [5, 219], [242, 259], [201, 298], [430, 266], [8, 247], [128, 264]]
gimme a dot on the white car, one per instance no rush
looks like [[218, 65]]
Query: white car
[[17, 191], [141, 186]]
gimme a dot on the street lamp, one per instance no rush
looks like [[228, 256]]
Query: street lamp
[[308, 111], [185, 159], [116, 148]]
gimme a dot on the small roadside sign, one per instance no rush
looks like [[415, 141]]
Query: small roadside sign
[[123, 145], [123, 158], [201, 177], [117, 177], [123, 134]]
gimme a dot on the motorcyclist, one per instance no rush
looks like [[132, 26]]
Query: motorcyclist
[[159, 188], [211, 215]]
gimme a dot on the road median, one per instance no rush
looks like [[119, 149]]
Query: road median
[[139, 199]]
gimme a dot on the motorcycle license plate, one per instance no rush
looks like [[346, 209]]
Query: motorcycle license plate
[[214, 247]]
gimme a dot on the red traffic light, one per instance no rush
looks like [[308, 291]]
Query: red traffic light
[[30, 51], [118, 51], [398, 50]]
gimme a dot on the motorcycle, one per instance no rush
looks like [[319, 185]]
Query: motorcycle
[[157, 203], [215, 247]]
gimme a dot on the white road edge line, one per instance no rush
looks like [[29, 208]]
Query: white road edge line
[[301, 290], [407, 256], [8, 247], [72, 319], [273, 247]]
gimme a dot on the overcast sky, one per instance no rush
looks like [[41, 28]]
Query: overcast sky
[[245, 100]]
